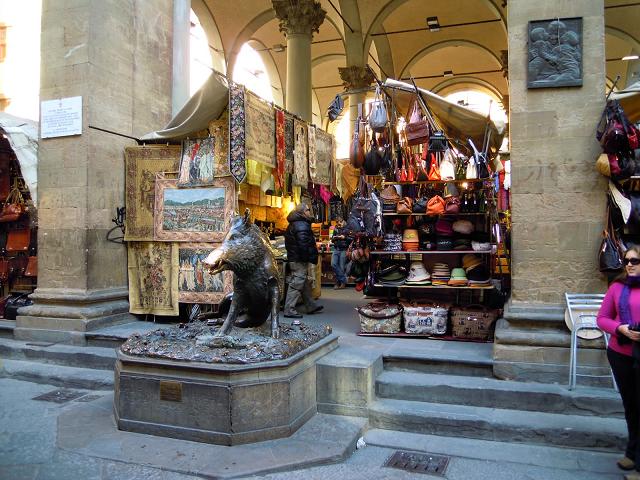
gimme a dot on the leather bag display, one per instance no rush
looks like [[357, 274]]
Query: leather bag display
[[378, 115], [417, 129], [609, 255], [356, 151], [452, 205], [434, 169], [435, 206], [13, 207], [18, 240], [32, 267], [405, 205]]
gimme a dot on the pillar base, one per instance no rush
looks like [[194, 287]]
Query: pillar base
[[533, 344], [64, 315]]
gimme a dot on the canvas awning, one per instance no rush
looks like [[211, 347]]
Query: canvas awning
[[457, 121], [205, 105], [629, 99], [23, 138]]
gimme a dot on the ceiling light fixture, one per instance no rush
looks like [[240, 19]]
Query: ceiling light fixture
[[448, 73], [433, 24], [630, 57], [278, 47]]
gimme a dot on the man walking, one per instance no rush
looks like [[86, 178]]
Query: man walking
[[341, 241], [301, 253]]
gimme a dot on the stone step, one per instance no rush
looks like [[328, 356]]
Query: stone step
[[503, 425], [115, 335], [450, 363], [6, 328], [60, 354], [58, 375], [494, 393]]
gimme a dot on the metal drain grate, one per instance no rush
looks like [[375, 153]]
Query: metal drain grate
[[59, 396], [418, 462]]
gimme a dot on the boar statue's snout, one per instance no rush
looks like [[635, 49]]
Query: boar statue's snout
[[215, 261]]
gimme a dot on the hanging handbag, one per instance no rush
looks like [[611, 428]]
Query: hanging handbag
[[18, 240], [335, 108], [437, 142], [417, 129], [421, 172], [447, 166], [482, 169], [356, 151], [472, 170], [461, 168], [378, 115], [435, 206], [434, 171], [373, 158], [32, 267], [13, 207], [609, 255]]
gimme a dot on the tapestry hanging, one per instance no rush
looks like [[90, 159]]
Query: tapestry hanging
[[198, 214], [289, 142], [300, 156], [195, 283], [237, 156], [197, 165], [141, 166], [260, 130], [153, 278], [325, 154], [219, 130], [280, 150], [311, 131]]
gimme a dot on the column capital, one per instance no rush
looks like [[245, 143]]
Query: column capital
[[354, 77], [299, 16]]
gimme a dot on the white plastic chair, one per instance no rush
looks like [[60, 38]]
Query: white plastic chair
[[583, 311]]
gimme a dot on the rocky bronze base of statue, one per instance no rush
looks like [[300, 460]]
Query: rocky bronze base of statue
[[199, 342]]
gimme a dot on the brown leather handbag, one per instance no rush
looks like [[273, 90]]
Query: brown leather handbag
[[417, 129], [356, 151], [13, 207], [452, 205], [32, 267], [18, 240], [435, 206], [405, 205]]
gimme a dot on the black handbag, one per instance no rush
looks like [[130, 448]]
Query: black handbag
[[373, 159], [14, 303], [420, 205], [335, 108], [609, 256]]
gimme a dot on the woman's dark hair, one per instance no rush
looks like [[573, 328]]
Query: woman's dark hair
[[623, 276]]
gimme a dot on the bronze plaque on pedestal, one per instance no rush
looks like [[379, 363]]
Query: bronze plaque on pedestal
[[170, 391]]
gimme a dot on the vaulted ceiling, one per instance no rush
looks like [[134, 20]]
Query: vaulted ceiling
[[392, 37]]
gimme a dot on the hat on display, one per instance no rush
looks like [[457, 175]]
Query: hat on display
[[444, 244], [462, 244], [418, 274], [444, 228], [481, 246], [393, 275], [478, 274], [440, 274], [410, 235], [463, 226], [470, 261], [458, 277]]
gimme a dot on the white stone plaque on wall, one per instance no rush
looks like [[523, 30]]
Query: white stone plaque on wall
[[61, 117]]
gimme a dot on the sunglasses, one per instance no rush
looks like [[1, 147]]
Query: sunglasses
[[632, 261]]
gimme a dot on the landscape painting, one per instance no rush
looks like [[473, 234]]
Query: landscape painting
[[192, 214]]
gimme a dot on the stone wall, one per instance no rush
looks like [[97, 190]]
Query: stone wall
[[558, 197]]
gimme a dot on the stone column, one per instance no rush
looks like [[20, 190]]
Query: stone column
[[180, 86], [117, 57], [298, 20], [356, 80], [558, 199]]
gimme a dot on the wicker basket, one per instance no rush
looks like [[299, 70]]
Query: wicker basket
[[425, 318], [473, 322], [380, 318]]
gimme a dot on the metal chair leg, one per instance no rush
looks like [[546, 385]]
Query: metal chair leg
[[573, 359]]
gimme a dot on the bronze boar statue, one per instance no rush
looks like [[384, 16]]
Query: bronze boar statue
[[247, 252]]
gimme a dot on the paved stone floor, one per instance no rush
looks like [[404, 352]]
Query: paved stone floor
[[34, 446]]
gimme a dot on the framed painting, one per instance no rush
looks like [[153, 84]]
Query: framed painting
[[197, 162], [195, 284], [199, 214], [555, 53]]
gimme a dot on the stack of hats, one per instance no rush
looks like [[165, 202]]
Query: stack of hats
[[390, 199], [458, 278], [410, 240], [392, 276], [462, 244], [444, 244], [477, 273], [462, 226], [392, 242], [418, 275], [440, 274], [481, 246]]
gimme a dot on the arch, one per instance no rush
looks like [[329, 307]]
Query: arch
[[622, 35], [385, 57], [485, 87], [272, 70], [447, 43], [353, 40], [210, 27], [392, 5], [327, 58], [247, 33]]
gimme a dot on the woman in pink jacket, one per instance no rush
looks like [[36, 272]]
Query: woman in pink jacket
[[619, 316]]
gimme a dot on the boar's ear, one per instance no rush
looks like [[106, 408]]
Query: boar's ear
[[247, 216]]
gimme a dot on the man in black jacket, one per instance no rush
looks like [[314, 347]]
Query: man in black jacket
[[301, 253]]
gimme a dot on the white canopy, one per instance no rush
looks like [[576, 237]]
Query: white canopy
[[206, 104], [23, 138], [457, 121]]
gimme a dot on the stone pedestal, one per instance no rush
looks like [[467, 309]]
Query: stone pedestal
[[217, 403], [117, 57], [558, 200]]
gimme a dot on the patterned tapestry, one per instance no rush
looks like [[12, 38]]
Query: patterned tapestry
[[237, 156], [141, 166], [289, 142], [197, 165], [311, 131], [300, 155], [153, 278], [195, 284], [324, 158], [260, 130], [219, 130], [280, 150]]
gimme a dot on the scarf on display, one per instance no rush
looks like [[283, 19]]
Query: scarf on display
[[624, 308], [301, 154], [237, 163]]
